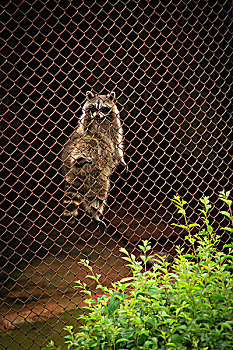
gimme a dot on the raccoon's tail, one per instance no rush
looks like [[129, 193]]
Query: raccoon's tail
[[74, 202]]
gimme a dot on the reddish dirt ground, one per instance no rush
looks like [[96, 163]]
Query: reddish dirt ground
[[46, 286]]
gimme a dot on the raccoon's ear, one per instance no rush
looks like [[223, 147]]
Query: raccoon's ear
[[89, 95], [111, 96]]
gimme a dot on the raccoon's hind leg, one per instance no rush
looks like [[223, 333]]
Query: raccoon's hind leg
[[82, 161]]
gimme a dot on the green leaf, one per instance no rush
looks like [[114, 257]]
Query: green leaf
[[122, 340], [227, 324], [123, 250], [202, 211], [114, 302], [194, 225], [226, 214], [181, 226], [189, 255], [69, 329], [228, 245], [86, 292], [126, 258], [229, 267], [182, 211], [227, 229], [127, 279], [93, 278], [227, 201]]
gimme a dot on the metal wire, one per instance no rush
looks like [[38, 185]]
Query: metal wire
[[169, 64]]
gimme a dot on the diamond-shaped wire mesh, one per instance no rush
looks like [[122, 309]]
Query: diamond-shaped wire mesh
[[169, 64]]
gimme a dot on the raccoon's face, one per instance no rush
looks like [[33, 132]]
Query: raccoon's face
[[100, 107]]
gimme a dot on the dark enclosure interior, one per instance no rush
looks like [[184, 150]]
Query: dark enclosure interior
[[169, 64]]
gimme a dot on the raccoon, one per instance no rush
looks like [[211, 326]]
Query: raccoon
[[91, 155]]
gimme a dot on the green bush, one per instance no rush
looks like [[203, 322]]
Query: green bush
[[184, 305]]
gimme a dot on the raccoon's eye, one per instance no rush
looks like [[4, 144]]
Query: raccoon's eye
[[92, 108], [105, 110]]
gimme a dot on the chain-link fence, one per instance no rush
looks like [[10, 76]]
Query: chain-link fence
[[169, 64]]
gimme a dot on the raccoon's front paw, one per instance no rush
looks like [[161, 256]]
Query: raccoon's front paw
[[82, 161], [100, 222]]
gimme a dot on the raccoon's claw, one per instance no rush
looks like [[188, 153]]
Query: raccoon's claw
[[126, 166], [101, 223]]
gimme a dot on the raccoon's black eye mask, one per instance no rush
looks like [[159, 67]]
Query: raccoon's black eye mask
[[105, 110], [91, 108]]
